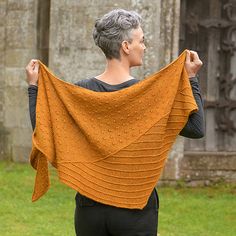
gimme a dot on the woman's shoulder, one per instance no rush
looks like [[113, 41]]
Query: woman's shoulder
[[83, 83], [89, 83]]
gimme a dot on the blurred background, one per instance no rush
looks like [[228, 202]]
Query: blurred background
[[59, 33]]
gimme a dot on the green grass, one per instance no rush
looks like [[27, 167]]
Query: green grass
[[209, 211], [50, 215]]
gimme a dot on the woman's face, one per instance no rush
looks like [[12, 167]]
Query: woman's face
[[137, 47]]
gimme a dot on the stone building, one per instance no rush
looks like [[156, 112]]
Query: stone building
[[59, 33]]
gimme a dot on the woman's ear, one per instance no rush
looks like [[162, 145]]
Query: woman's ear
[[125, 47]]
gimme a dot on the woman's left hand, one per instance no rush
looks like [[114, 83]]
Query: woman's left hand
[[192, 63]]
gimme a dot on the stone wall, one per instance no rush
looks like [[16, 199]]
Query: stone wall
[[19, 31], [3, 131], [206, 168]]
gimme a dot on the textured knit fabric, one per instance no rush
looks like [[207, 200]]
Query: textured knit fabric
[[194, 128], [123, 136]]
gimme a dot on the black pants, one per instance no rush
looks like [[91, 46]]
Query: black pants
[[96, 219]]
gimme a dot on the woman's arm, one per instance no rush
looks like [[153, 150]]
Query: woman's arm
[[195, 127], [32, 70], [32, 92]]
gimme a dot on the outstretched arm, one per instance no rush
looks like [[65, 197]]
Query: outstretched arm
[[32, 70], [195, 127], [32, 93]]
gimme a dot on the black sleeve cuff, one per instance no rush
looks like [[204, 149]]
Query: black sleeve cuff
[[33, 86], [193, 79]]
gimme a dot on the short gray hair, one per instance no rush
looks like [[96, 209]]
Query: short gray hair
[[113, 28]]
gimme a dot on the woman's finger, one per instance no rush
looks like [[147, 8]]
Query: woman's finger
[[36, 67], [31, 64], [188, 56], [194, 55]]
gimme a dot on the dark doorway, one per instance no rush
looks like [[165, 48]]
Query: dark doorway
[[209, 27]]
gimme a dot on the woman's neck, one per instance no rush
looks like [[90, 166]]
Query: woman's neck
[[116, 72]]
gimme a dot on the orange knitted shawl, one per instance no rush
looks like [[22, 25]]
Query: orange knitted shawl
[[109, 146]]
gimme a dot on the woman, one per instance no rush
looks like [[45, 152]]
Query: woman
[[120, 36]]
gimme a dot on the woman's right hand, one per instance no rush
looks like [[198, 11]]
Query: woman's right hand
[[32, 72]]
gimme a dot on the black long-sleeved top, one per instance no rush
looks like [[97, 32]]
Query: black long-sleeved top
[[194, 128]]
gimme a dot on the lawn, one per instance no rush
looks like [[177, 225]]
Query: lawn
[[209, 211]]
